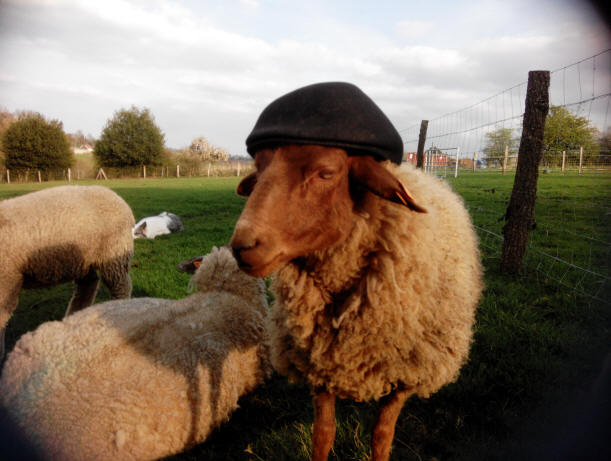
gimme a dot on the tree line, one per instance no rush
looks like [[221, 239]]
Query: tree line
[[131, 138], [564, 131]]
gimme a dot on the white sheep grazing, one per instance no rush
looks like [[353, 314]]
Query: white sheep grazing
[[61, 234], [143, 378]]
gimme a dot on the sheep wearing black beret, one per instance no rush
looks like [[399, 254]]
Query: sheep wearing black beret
[[376, 268]]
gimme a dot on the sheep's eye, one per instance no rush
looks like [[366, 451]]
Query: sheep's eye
[[325, 174]]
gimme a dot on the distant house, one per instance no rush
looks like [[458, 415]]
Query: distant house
[[434, 156], [84, 149], [409, 157]]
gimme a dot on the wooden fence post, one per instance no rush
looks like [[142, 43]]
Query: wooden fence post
[[39, 178], [474, 161], [580, 158], [178, 171], [8, 176], [505, 158], [424, 124], [143, 171], [563, 160], [521, 209], [69, 175], [457, 159]]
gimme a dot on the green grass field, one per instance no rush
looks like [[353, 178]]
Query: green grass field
[[538, 344]]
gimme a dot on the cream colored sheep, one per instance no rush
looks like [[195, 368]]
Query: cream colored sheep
[[376, 287], [143, 378], [61, 234]]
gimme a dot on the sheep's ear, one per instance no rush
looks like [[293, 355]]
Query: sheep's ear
[[191, 265], [247, 185], [373, 176]]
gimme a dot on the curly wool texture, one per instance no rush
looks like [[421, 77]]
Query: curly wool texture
[[392, 307], [61, 234], [143, 378]]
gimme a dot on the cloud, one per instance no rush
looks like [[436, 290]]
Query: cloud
[[250, 3], [201, 71], [414, 29]]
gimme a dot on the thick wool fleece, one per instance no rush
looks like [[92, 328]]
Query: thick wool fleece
[[61, 234], [143, 378], [392, 307]]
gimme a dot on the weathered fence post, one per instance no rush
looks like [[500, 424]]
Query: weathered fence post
[[474, 161], [457, 156], [8, 176], [505, 158], [580, 158], [178, 171], [39, 178], [424, 124], [563, 160], [521, 210], [69, 175], [143, 171], [101, 174], [238, 174]]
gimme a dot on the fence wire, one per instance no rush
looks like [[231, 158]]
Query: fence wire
[[571, 244], [583, 88]]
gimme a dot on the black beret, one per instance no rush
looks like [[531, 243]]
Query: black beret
[[335, 114]]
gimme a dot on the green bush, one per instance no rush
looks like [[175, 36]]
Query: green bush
[[34, 143], [130, 138]]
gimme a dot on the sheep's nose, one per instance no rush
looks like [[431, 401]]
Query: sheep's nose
[[240, 244]]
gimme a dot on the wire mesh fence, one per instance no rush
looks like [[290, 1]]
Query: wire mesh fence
[[571, 243], [485, 135]]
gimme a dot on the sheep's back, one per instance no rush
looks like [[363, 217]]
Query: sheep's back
[[134, 379], [56, 234]]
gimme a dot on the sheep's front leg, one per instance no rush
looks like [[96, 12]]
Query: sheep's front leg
[[84, 292], [115, 275], [384, 428], [323, 433]]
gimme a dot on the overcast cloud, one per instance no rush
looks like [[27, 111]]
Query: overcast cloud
[[208, 68]]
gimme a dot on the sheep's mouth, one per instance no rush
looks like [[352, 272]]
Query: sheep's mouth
[[260, 269]]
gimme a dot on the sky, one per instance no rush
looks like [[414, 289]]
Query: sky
[[208, 68]]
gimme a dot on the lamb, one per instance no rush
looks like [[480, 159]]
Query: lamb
[[143, 378], [375, 286], [154, 226], [60, 234]]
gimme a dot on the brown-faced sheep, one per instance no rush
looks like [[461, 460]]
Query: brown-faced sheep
[[376, 287], [61, 234], [143, 378]]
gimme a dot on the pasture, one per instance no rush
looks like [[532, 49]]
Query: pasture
[[538, 343]]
